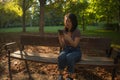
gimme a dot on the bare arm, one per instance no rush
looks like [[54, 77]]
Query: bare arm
[[73, 43], [61, 40]]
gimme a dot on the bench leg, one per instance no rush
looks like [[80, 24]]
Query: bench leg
[[113, 73], [27, 67], [9, 65]]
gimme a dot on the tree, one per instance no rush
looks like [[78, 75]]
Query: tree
[[54, 13], [106, 11], [9, 11], [42, 5], [26, 4], [77, 7]]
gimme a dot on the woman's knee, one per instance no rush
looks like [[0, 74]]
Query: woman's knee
[[70, 59], [62, 57]]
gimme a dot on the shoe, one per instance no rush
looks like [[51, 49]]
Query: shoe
[[68, 78], [60, 77]]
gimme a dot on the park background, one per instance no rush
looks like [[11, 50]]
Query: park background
[[96, 18]]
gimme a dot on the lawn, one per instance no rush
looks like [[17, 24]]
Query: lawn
[[48, 29], [90, 31]]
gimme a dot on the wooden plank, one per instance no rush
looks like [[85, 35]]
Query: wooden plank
[[98, 61], [45, 58], [95, 43], [86, 43], [39, 40]]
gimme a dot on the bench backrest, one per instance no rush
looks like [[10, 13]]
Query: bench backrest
[[86, 43], [39, 40], [95, 46], [95, 43]]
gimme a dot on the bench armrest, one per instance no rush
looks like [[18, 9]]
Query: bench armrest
[[116, 51], [114, 48], [7, 46], [11, 43]]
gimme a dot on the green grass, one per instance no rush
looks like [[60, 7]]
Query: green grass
[[53, 29], [48, 29], [5, 30], [104, 33], [90, 31]]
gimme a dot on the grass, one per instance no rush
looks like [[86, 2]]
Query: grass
[[90, 31], [49, 29], [100, 33]]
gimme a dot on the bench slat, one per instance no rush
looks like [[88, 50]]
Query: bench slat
[[39, 40], [95, 43], [45, 58]]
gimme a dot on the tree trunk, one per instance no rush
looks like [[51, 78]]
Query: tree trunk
[[23, 16], [41, 28], [83, 24], [119, 18]]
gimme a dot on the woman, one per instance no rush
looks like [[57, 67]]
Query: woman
[[69, 40]]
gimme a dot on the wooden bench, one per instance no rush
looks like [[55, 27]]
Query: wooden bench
[[99, 48]]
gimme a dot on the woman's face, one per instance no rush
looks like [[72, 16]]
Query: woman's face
[[67, 23]]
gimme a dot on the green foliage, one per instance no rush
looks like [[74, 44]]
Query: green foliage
[[10, 12], [93, 11], [13, 7], [54, 13], [104, 10], [13, 11], [111, 26]]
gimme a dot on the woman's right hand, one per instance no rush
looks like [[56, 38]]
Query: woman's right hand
[[61, 40]]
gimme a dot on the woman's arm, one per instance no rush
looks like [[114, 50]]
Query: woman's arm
[[61, 40], [74, 42]]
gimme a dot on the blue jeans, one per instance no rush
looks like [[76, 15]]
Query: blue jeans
[[68, 57]]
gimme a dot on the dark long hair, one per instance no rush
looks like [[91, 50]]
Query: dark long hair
[[74, 21]]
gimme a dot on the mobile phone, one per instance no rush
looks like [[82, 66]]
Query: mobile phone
[[60, 32]]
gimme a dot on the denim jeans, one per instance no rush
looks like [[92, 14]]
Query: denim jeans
[[68, 57]]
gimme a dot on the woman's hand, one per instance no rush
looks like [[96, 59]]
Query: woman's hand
[[72, 42], [67, 37], [61, 40]]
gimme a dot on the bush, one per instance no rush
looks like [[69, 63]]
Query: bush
[[111, 26]]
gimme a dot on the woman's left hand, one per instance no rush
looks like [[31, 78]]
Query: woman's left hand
[[67, 37], [72, 42]]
